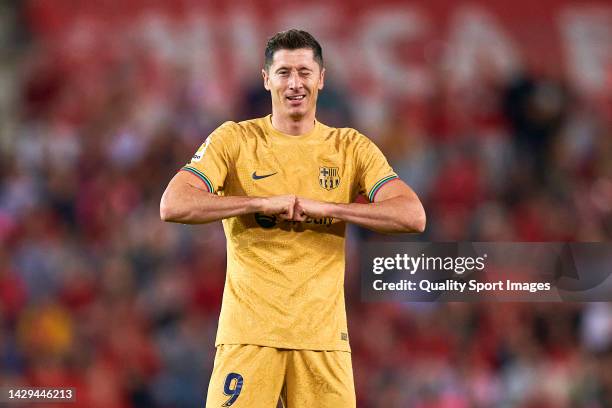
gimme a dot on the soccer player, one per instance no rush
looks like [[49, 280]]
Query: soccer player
[[284, 186]]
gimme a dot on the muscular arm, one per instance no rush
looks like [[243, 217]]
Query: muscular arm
[[396, 209], [186, 200]]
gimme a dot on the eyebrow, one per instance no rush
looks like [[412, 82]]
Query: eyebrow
[[287, 68]]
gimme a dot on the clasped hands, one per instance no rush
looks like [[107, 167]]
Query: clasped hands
[[294, 208]]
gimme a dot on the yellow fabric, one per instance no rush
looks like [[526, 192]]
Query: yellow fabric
[[255, 377], [285, 280]]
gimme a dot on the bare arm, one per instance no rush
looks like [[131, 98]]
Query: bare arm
[[396, 209], [187, 200]]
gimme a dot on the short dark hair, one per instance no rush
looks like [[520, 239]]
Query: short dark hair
[[292, 40]]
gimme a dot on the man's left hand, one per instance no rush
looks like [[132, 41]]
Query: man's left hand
[[305, 208]]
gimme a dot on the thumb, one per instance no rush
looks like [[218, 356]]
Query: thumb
[[298, 213]]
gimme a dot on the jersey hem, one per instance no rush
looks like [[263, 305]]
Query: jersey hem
[[283, 345]]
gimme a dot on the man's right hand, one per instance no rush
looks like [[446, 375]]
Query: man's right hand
[[283, 206]]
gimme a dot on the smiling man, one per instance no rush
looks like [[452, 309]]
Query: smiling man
[[284, 186]]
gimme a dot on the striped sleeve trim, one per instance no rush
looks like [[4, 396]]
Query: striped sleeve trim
[[201, 176], [378, 185]]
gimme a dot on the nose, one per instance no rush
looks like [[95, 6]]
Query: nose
[[294, 81]]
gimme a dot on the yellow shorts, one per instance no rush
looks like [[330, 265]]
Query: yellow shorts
[[256, 377]]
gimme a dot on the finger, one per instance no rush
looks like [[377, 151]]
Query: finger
[[289, 211], [298, 213]]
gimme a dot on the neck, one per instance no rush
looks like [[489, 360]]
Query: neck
[[293, 126]]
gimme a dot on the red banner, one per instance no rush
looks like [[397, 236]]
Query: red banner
[[392, 49]]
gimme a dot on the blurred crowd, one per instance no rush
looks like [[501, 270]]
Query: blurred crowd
[[97, 293]]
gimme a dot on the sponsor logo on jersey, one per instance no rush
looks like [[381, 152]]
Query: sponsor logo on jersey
[[270, 221], [320, 221], [259, 177], [265, 221], [329, 177]]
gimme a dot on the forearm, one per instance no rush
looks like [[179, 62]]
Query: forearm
[[191, 205], [393, 215]]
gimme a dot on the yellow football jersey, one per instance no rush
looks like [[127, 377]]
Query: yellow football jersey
[[284, 286]]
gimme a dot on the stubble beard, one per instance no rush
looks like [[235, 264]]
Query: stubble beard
[[297, 116]]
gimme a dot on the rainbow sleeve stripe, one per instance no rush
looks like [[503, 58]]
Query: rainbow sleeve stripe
[[378, 185], [201, 176]]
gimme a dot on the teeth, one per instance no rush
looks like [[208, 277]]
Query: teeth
[[295, 98]]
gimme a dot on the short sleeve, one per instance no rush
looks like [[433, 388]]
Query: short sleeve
[[212, 160], [373, 170]]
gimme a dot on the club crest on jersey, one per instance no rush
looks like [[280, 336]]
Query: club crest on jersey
[[329, 177]]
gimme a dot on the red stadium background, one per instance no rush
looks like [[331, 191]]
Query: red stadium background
[[498, 114]]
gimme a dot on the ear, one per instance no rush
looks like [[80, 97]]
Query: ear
[[322, 79], [266, 78]]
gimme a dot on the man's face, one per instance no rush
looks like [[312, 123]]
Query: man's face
[[294, 80]]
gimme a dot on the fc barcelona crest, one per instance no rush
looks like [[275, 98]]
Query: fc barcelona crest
[[329, 177]]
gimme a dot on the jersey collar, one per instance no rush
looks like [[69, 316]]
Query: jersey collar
[[276, 132]]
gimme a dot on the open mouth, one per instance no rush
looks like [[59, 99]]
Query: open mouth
[[296, 97]]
